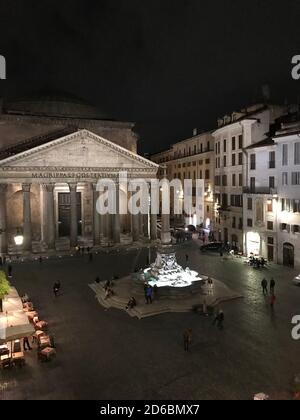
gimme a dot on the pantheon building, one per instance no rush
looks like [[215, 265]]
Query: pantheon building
[[53, 150]]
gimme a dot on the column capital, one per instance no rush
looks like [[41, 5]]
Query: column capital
[[48, 187], [3, 188], [73, 186], [26, 187]]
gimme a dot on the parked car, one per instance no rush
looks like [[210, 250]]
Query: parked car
[[212, 246], [296, 280]]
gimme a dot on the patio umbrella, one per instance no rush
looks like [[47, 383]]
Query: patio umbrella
[[14, 326]]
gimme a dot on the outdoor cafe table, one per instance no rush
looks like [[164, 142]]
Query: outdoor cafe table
[[48, 352], [14, 357], [44, 341]]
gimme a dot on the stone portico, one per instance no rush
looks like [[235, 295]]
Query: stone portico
[[49, 193]]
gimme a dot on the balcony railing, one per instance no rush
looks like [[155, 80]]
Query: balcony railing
[[260, 190]]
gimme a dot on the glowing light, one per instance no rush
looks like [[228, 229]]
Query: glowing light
[[19, 239]]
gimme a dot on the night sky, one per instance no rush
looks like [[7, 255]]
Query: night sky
[[168, 65]]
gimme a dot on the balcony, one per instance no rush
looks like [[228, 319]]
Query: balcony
[[260, 190]]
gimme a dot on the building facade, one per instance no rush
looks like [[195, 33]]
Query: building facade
[[287, 142], [234, 135], [193, 159], [49, 167]]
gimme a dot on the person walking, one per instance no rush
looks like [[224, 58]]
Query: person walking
[[272, 286], [272, 301], [9, 270], [219, 319], [26, 345], [56, 288], [187, 339], [264, 285], [149, 292]]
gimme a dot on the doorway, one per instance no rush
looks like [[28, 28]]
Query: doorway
[[64, 214], [288, 255]]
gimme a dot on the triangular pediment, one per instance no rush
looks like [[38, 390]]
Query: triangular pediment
[[82, 149]]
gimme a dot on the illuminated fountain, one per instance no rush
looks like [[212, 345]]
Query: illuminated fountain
[[166, 272]]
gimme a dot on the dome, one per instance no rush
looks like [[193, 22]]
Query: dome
[[54, 105]]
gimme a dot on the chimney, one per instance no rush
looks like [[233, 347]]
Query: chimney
[[195, 131]]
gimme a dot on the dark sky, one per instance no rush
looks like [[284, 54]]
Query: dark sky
[[168, 65]]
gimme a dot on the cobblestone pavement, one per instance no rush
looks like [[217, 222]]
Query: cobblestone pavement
[[108, 355]]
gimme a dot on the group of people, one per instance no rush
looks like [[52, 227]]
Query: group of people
[[257, 262], [265, 289]]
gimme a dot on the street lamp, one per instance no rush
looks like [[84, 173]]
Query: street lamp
[[19, 238]]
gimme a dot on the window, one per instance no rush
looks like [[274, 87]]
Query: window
[[250, 203], [194, 163], [252, 162], [240, 158], [285, 154], [208, 145], [233, 143], [225, 161], [284, 227], [207, 174], [234, 222], [195, 149], [249, 222], [233, 180], [217, 181], [270, 226], [270, 206], [200, 162], [272, 158], [225, 146], [297, 154], [207, 161], [296, 229], [224, 200], [272, 182], [201, 177], [295, 178], [241, 223], [224, 180], [252, 184], [285, 180], [233, 160], [270, 240], [240, 180], [240, 142]]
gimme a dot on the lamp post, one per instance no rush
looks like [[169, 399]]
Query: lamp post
[[19, 237]]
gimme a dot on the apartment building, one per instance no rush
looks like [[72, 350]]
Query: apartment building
[[236, 133], [192, 158], [287, 141], [260, 200]]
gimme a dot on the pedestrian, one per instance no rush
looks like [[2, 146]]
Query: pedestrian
[[219, 319], [9, 270], [272, 301], [264, 285], [149, 293], [56, 288], [26, 345], [187, 339], [272, 286], [204, 308]]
